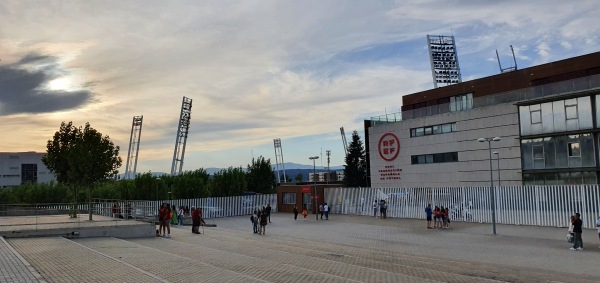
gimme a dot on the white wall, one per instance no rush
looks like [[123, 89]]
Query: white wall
[[472, 169], [10, 168]]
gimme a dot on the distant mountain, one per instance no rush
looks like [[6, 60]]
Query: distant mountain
[[291, 165]]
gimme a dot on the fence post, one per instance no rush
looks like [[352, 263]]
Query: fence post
[[537, 205]]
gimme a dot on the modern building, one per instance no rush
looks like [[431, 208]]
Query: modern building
[[547, 118], [23, 167]]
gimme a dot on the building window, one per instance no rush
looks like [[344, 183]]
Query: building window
[[571, 111], [538, 156], [461, 102], [433, 130], [289, 198], [28, 173], [574, 149], [434, 158], [536, 116]]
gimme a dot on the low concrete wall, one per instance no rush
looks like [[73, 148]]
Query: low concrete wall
[[128, 231]]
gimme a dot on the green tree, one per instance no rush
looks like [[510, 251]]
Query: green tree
[[355, 170], [228, 182], [299, 178], [81, 157], [260, 176]]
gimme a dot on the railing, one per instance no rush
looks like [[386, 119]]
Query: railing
[[528, 205], [213, 207], [588, 83]]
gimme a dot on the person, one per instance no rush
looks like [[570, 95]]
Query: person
[[195, 220], [382, 209], [163, 218], [304, 212], [269, 212], [174, 215], [428, 213], [442, 224], [254, 220], [375, 207], [295, 213], [578, 242], [180, 215], [326, 209], [115, 210], [598, 226], [321, 210], [447, 217], [436, 216], [167, 221], [264, 217], [571, 221]]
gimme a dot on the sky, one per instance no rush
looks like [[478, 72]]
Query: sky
[[255, 70]]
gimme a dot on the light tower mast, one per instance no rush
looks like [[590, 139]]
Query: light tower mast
[[182, 134], [134, 147], [279, 159]]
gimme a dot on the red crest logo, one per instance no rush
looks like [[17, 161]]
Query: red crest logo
[[389, 147]]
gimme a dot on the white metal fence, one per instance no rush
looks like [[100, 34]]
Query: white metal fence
[[526, 205], [211, 207]]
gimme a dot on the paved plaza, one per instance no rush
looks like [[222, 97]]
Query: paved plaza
[[342, 249]]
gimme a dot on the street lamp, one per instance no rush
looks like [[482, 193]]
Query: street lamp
[[492, 192], [497, 154], [314, 158]]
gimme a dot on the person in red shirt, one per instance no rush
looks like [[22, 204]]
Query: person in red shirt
[[164, 218]]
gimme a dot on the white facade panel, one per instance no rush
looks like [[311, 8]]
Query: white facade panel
[[472, 168], [11, 168]]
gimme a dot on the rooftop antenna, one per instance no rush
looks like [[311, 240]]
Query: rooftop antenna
[[511, 68]]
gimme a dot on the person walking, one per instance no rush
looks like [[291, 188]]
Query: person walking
[[578, 242], [375, 208], [295, 213], [382, 209], [570, 231], [321, 210], [428, 213], [269, 212], [326, 209]]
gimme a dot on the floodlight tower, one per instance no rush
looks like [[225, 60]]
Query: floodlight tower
[[444, 60], [182, 134], [134, 147], [344, 140], [279, 159]]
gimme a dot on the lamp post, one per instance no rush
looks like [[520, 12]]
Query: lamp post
[[492, 192], [497, 154], [314, 158]]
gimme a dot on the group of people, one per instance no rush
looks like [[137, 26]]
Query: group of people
[[380, 206], [261, 217], [170, 215], [323, 210], [440, 215]]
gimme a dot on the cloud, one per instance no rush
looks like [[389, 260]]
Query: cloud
[[24, 88]]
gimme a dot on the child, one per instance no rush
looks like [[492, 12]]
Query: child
[[254, 219], [180, 215], [304, 213], [447, 217]]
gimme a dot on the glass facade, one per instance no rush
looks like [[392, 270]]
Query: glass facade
[[433, 130], [562, 158], [461, 102], [435, 158]]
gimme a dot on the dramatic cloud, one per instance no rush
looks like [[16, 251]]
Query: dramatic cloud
[[256, 70], [24, 87]]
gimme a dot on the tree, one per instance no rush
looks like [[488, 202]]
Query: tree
[[260, 176], [355, 170], [228, 182], [80, 157], [299, 178]]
